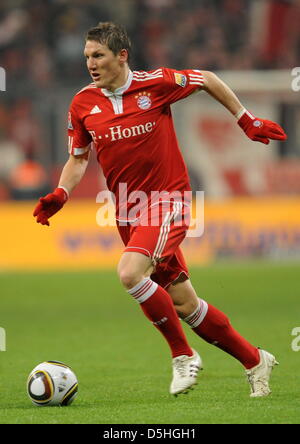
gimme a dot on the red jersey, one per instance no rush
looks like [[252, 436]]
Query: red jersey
[[132, 130]]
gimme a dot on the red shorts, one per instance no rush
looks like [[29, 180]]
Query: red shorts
[[158, 235]]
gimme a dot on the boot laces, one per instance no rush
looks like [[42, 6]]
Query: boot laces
[[182, 367]]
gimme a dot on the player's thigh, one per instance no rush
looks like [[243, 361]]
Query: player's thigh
[[133, 267], [184, 297]]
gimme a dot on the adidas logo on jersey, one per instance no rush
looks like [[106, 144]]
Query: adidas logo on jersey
[[95, 110]]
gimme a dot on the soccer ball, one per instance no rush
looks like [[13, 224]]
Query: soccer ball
[[52, 383]]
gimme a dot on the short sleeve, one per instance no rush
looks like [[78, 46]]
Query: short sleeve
[[181, 84], [79, 138]]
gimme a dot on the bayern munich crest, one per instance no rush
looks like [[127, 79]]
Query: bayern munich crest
[[257, 123], [143, 100]]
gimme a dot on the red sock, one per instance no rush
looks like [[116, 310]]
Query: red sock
[[158, 306], [214, 327]]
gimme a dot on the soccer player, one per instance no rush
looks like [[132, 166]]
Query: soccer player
[[126, 116]]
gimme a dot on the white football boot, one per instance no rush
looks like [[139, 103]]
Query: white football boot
[[185, 372], [259, 375]]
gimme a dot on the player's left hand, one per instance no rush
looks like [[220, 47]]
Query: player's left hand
[[261, 130]]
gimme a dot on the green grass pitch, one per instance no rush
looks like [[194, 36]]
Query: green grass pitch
[[88, 321]]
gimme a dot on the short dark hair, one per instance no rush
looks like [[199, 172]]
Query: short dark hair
[[113, 35]]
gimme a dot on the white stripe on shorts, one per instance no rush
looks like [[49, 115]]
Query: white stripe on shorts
[[165, 229]]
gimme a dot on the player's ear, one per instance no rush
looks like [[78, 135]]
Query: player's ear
[[123, 54]]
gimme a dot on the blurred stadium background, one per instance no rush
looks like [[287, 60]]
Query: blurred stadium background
[[252, 202]]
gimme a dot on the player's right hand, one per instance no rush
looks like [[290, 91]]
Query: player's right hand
[[49, 205]]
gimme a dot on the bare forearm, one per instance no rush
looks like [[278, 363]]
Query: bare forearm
[[257, 129], [73, 172], [221, 92]]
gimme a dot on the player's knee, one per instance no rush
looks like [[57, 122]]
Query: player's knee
[[129, 278]]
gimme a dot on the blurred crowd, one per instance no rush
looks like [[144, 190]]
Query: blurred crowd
[[41, 41], [41, 45]]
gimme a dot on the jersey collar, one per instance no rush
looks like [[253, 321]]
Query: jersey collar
[[119, 91]]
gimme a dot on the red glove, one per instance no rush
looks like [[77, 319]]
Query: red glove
[[50, 205], [260, 130]]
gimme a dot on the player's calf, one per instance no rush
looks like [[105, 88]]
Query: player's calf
[[213, 326], [184, 298]]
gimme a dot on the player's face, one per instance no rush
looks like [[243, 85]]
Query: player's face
[[105, 68]]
